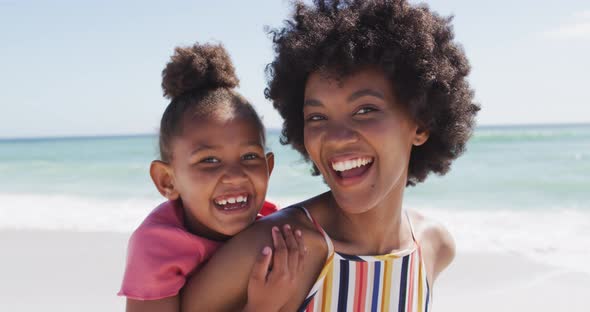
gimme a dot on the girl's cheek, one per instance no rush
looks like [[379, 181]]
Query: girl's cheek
[[258, 171], [202, 175]]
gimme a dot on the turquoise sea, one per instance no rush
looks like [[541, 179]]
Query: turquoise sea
[[524, 189]]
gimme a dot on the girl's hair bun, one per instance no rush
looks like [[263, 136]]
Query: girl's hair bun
[[200, 67]]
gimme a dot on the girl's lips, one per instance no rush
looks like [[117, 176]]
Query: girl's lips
[[233, 208], [233, 202], [231, 198]]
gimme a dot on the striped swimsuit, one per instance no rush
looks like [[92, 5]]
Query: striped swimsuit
[[392, 282]]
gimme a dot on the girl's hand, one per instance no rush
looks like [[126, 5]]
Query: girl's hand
[[271, 285]]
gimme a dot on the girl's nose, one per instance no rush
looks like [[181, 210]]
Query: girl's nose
[[234, 174]]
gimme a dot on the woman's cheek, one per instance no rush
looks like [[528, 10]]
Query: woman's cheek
[[311, 137]]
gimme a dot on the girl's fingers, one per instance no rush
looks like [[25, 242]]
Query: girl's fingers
[[292, 247], [301, 248], [280, 260], [261, 266]]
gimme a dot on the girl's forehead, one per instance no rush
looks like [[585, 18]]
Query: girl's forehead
[[229, 121]]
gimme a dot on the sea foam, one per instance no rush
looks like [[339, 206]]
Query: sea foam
[[559, 236]]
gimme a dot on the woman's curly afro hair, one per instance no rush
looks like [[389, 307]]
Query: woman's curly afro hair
[[412, 45]]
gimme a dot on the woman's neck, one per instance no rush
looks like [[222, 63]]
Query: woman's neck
[[379, 230]]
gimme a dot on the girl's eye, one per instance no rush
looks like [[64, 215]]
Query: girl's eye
[[364, 110], [210, 160], [250, 156]]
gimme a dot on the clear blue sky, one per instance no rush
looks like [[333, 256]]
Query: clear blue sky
[[93, 67]]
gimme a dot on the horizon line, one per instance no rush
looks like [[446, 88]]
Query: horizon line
[[146, 134]]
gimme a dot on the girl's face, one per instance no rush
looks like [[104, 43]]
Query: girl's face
[[221, 173], [359, 137]]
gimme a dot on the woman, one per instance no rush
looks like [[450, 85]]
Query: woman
[[374, 94]]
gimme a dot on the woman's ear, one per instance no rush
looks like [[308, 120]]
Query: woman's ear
[[421, 136], [163, 178], [270, 162]]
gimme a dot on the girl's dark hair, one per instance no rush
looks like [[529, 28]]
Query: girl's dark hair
[[200, 80], [411, 44]]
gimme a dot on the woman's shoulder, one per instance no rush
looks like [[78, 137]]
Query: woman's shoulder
[[228, 270], [435, 240], [295, 216]]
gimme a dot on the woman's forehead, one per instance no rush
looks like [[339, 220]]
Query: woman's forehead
[[367, 81]]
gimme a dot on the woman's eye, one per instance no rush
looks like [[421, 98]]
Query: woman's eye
[[315, 118], [251, 156], [365, 110], [210, 160]]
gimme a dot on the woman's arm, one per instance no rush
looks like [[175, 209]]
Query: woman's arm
[[445, 251], [438, 245], [222, 284]]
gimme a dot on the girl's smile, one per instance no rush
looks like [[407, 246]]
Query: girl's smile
[[221, 173]]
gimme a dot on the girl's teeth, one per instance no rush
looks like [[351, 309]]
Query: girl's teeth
[[232, 200]]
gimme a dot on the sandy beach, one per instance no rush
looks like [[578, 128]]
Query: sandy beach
[[79, 271]]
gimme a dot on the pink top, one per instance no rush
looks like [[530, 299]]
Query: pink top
[[162, 253]]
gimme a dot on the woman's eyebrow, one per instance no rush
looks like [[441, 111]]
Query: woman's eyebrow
[[312, 102], [352, 97], [365, 92]]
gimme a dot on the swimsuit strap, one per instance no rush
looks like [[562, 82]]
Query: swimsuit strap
[[320, 229], [411, 227]]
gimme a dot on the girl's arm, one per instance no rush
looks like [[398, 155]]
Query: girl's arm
[[170, 304]]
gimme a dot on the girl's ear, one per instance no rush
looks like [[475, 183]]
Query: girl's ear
[[163, 178], [421, 136], [270, 162]]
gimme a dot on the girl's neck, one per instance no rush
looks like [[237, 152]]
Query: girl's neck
[[194, 226]]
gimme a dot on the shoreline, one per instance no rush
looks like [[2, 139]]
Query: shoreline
[[82, 271]]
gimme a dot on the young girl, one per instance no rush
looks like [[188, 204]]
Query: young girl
[[374, 93], [214, 172]]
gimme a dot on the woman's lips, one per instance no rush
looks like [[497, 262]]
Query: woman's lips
[[351, 169]]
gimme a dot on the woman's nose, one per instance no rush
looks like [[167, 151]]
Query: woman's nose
[[341, 134]]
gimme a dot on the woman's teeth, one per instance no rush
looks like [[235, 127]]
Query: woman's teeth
[[351, 163], [232, 200]]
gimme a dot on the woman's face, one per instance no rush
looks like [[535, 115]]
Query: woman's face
[[359, 137]]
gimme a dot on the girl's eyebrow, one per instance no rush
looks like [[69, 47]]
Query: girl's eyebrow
[[204, 147], [251, 144], [365, 92]]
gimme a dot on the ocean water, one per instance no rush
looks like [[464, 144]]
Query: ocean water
[[524, 189]]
